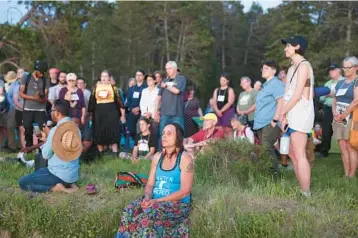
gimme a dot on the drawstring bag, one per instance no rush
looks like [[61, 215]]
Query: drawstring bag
[[130, 179]]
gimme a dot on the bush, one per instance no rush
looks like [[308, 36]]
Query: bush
[[228, 159]]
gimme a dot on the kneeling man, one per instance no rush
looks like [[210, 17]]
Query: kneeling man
[[62, 148]]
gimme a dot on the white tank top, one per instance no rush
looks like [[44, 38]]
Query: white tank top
[[301, 116]]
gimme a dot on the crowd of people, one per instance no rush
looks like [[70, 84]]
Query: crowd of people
[[160, 113]]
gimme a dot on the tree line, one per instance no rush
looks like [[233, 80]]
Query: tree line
[[204, 38]]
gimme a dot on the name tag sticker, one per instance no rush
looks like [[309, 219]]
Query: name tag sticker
[[221, 98], [136, 95], [341, 92]]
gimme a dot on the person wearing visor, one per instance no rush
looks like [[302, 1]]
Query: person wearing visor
[[297, 114]]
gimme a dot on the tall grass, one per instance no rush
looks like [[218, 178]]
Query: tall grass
[[232, 197]]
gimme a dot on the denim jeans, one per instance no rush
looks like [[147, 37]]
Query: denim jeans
[[165, 120], [40, 181]]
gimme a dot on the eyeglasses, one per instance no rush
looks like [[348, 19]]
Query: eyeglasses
[[348, 68], [71, 81], [139, 75]]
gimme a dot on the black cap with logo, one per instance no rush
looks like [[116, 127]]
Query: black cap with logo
[[41, 66], [296, 40]]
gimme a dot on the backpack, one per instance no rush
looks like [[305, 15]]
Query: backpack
[[129, 179], [353, 137], [256, 139]]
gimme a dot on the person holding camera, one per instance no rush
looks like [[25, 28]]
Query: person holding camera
[[34, 89]]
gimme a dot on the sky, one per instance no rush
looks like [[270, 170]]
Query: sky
[[12, 12]]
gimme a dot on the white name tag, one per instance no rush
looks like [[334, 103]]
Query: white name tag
[[341, 92], [136, 95], [74, 97], [221, 98], [288, 95]]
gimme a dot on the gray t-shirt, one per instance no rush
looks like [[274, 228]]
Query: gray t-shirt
[[172, 104], [247, 100], [33, 87], [54, 92]]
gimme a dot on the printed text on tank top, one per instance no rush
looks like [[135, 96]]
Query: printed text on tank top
[[143, 145]]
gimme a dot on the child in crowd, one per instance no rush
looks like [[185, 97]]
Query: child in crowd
[[317, 134], [241, 129], [145, 142]]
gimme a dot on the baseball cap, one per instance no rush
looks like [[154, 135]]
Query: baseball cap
[[41, 66], [296, 40], [209, 116], [332, 67]]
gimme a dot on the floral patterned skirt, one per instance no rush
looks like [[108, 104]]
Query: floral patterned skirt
[[164, 219]]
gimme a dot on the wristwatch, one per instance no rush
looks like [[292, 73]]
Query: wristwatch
[[274, 120]]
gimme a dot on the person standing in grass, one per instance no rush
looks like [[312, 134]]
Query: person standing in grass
[[164, 209], [343, 104], [297, 114], [224, 98], [269, 102], [246, 103], [62, 148], [191, 109]]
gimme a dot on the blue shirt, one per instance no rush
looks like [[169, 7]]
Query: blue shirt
[[67, 171], [134, 94], [168, 181], [10, 94], [266, 102]]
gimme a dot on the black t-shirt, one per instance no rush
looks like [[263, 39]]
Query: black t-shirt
[[144, 143]]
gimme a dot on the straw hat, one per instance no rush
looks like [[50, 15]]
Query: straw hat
[[66, 142], [10, 77]]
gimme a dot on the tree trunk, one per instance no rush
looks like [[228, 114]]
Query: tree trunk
[[182, 49], [93, 64], [349, 29], [178, 56], [166, 31], [223, 39], [248, 43]]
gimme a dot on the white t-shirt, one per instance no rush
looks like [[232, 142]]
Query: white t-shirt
[[54, 92], [247, 133], [147, 101]]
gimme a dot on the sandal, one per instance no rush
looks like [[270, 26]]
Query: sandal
[[91, 189]]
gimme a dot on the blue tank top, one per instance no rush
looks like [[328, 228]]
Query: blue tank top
[[168, 181]]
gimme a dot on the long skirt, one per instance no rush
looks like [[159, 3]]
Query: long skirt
[[164, 219], [106, 127]]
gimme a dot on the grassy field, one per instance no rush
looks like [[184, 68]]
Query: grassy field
[[232, 198]]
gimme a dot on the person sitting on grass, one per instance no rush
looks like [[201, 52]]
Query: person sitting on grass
[[164, 210], [145, 142], [241, 129], [62, 149], [200, 140]]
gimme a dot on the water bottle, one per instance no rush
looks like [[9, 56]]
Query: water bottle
[[285, 144]]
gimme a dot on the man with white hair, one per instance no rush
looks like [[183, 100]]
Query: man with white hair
[[247, 101], [170, 99]]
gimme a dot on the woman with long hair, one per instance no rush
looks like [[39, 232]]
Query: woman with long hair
[[223, 101], [164, 209], [107, 109], [297, 115]]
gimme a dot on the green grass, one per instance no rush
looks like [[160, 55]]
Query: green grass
[[239, 200]]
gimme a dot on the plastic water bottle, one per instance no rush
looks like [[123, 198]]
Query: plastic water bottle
[[285, 144]]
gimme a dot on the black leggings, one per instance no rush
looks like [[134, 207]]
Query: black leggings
[[29, 117]]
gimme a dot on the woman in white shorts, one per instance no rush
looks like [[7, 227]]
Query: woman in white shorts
[[343, 105], [297, 115]]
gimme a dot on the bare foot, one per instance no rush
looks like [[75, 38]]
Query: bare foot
[[61, 188]]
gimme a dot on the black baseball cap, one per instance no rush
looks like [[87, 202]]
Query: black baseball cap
[[296, 40], [41, 66], [332, 67]]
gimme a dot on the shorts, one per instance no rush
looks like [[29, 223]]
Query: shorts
[[18, 118], [340, 131], [290, 131]]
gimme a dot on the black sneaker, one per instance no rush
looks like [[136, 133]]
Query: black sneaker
[[322, 155]]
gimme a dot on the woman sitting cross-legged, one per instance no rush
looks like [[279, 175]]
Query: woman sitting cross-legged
[[164, 209]]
